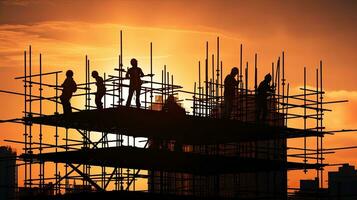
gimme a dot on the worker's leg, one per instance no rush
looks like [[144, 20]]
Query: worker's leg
[[258, 112], [131, 91], [259, 105], [227, 107], [137, 92], [98, 100], [265, 111], [69, 107], [64, 102]]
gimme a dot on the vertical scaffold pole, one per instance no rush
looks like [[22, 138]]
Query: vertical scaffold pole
[[194, 100], [25, 115], [104, 139], [317, 124], [120, 82], [240, 84], [162, 88], [283, 84], [274, 84], [164, 84], [246, 92], [172, 84], [218, 72], [221, 86], [168, 84], [206, 79], [86, 91], [213, 87], [199, 89], [30, 111], [321, 123], [305, 160], [151, 77], [57, 187], [255, 72], [42, 170], [278, 85], [89, 106]]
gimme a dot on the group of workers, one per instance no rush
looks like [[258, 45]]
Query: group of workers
[[135, 73], [69, 86], [263, 91]]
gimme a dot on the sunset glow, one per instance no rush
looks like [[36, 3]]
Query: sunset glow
[[64, 32]]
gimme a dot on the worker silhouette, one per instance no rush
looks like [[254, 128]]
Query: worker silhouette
[[172, 107], [100, 89], [263, 92], [230, 84], [134, 74], [69, 86]]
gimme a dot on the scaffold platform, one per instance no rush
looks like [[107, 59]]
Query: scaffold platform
[[187, 129], [170, 161]]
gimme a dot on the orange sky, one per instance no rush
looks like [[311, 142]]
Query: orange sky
[[64, 31]]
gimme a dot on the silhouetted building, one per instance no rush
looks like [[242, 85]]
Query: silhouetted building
[[8, 173], [309, 185], [343, 183], [310, 190]]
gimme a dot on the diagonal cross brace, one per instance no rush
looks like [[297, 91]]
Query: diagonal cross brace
[[86, 177]]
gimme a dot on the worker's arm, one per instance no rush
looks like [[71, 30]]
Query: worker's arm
[[237, 82], [64, 83], [127, 74], [272, 89], [74, 86], [141, 73]]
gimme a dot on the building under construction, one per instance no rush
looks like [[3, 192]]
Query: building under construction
[[147, 153]]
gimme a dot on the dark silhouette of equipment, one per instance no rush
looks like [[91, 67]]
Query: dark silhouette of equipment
[[263, 92], [230, 84], [172, 107], [134, 74], [100, 89], [69, 87]]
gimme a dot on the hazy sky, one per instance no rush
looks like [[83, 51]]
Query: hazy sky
[[65, 30]]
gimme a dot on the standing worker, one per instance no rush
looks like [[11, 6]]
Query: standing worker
[[134, 74], [100, 89], [262, 98], [230, 84], [69, 86]]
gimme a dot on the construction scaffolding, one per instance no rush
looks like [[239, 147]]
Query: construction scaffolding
[[147, 151]]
